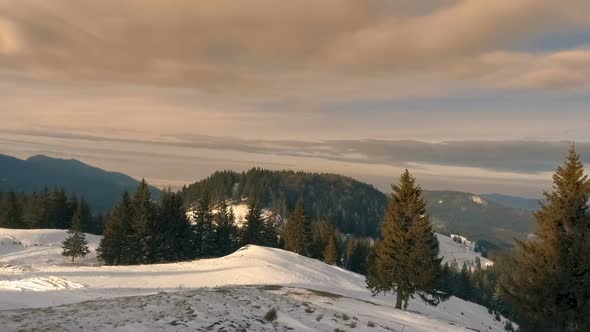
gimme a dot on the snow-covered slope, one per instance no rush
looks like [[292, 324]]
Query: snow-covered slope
[[461, 253], [308, 294]]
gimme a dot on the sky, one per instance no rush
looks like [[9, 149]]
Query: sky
[[479, 96]]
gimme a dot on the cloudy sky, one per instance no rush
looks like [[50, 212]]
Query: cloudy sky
[[482, 96]]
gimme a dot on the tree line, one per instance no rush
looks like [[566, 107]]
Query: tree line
[[47, 209]]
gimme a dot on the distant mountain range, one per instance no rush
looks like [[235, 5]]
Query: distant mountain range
[[355, 207], [101, 188], [531, 204]]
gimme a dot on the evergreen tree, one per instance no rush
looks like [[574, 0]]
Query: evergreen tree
[[115, 245], [550, 281], [322, 233], [331, 253], [226, 230], [203, 231], [10, 211], [270, 236], [253, 232], [406, 259], [59, 211], [87, 224], [297, 234], [143, 221], [173, 230], [75, 245]]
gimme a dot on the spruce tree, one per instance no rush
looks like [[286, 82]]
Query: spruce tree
[[297, 233], [270, 236], [253, 232], [331, 251], [406, 259], [226, 230], [75, 245], [11, 215], [114, 248], [143, 222], [550, 280], [203, 231], [173, 230]]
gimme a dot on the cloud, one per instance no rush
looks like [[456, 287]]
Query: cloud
[[300, 49]]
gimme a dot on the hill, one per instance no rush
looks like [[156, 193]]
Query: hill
[[530, 204], [101, 188], [228, 293], [357, 207]]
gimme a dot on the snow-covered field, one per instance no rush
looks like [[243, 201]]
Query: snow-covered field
[[228, 293]]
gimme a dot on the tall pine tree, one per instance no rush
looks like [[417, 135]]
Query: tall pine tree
[[297, 234], [115, 245], [173, 230], [406, 259], [203, 230], [550, 281], [143, 221], [253, 232], [226, 231]]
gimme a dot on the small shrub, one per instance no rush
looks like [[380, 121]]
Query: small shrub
[[345, 317], [319, 317], [309, 310], [271, 315], [352, 324], [370, 324]]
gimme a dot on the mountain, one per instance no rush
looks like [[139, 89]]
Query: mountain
[[101, 188], [490, 223], [231, 293], [530, 204], [357, 207]]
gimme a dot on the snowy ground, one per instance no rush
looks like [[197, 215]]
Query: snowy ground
[[228, 293]]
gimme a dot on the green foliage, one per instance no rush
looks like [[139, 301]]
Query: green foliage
[[354, 207], [75, 245], [203, 229], [11, 215], [253, 232], [227, 236], [406, 259], [297, 234], [550, 280], [331, 255]]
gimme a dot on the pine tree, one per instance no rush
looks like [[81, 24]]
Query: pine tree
[[203, 231], [173, 230], [406, 257], [550, 281], [226, 230], [297, 234], [87, 224], [75, 245], [143, 221], [270, 236], [331, 252], [10, 211], [114, 248], [59, 213], [253, 232]]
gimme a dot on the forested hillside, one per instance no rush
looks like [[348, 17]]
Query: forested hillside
[[101, 188], [357, 208], [354, 207]]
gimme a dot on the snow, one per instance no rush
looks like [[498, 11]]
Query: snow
[[240, 212], [479, 200], [232, 292], [462, 253]]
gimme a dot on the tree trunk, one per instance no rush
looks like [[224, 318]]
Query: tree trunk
[[72, 259], [398, 300]]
